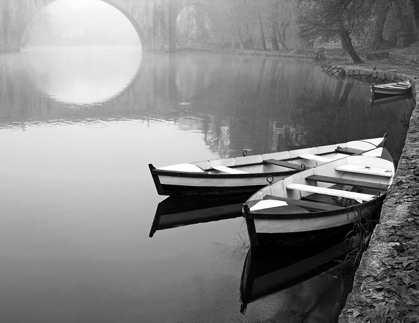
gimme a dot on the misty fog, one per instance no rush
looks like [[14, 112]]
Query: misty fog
[[80, 23]]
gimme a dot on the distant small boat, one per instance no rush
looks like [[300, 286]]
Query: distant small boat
[[270, 270], [396, 88], [247, 174], [320, 202], [175, 212]]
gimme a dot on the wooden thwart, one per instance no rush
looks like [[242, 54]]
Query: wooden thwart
[[229, 170], [346, 181], [330, 191], [317, 158], [364, 170], [349, 151], [316, 206], [285, 164]]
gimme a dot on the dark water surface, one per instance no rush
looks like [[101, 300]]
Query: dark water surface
[[77, 202]]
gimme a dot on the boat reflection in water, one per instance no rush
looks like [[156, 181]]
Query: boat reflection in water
[[382, 99], [303, 281], [180, 211]]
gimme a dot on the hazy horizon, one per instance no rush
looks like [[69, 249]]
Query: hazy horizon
[[80, 23]]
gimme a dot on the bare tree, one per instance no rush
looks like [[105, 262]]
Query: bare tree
[[262, 32], [333, 19], [415, 6], [277, 16], [405, 34], [381, 10]]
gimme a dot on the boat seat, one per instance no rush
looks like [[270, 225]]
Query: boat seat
[[267, 204], [330, 191], [285, 164], [309, 205], [365, 170], [317, 158], [349, 151], [189, 168], [228, 170], [346, 181]]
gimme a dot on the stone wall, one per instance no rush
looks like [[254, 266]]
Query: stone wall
[[376, 76], [404, 59], [386, 283]]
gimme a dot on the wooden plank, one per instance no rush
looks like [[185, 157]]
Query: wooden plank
[[228, 170], [330, 191], [182, 168], [316, 206], [281, 210], [346, 181], [349, 151], [320, 159], [285, 164], [364, 170]]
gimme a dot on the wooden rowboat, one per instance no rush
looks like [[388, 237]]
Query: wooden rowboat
[[319, 202], [247, 174], [396, 88]]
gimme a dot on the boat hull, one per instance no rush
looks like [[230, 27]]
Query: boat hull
[[304, 230], [307, 228], [397, 88], [247, 174], [331, 199], [203, 184]]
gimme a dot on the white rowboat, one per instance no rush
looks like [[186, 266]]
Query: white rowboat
[[320, 202], [247, 174], [396, 88]]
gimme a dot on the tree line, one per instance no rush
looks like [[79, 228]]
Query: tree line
[[270, 24]]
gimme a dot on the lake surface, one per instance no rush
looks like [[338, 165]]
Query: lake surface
[[77, 131]]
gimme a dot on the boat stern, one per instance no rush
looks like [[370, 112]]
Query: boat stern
[[156, 179]]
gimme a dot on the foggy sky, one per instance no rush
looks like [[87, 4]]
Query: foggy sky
[[81, 23]]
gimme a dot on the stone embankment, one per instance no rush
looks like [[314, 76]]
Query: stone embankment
[[386, 284]]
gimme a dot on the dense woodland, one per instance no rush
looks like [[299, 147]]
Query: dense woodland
[[286, 24]]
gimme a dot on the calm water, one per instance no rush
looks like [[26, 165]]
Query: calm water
[[77, 131]]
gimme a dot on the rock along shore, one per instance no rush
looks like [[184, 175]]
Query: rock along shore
[[386, 284]]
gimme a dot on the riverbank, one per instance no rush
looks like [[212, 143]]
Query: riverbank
[[386, 284]]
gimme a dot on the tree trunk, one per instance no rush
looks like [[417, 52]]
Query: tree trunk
[[239, 36], [172, 28], [378, 39], [281, 38], [274, 39], [347, 44], [403, 36], [237, 33], [415, 6], [262, 33]]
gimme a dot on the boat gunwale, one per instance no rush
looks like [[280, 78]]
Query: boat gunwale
[[338, 149], [260, 215], [204, 174]]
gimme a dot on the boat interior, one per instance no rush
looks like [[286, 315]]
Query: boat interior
[[337, 187]]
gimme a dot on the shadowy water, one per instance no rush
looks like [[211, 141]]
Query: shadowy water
[[77, 202]]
